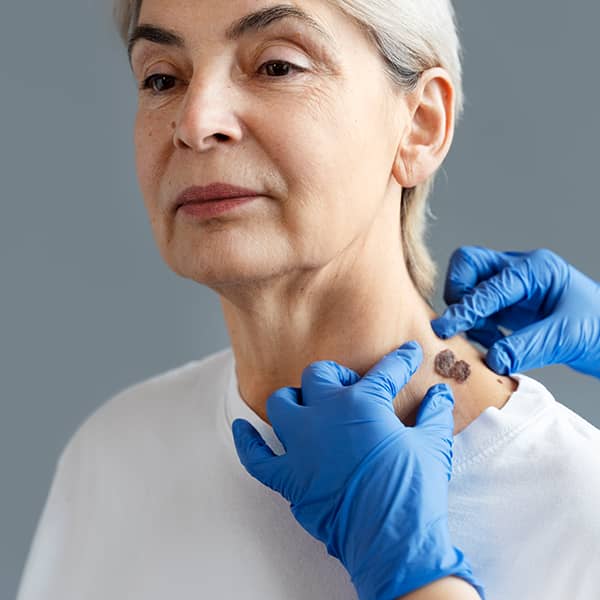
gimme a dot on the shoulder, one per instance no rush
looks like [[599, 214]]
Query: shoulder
[[575, 426], [535, 410], [573, 448], [559, 450], [531, 431], [535, 455], [557, 430], [150, 408]]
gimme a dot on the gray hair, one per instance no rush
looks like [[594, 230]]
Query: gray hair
[[411, 36]]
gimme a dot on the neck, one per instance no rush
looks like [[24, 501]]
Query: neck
[[353, 311]]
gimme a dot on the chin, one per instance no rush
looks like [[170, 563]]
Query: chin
[[224, 268]]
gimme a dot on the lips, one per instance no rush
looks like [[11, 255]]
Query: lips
[[212, 192]]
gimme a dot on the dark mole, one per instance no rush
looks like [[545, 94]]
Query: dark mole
[[446, 365], [444, 361], [499, 380], [461, 371]]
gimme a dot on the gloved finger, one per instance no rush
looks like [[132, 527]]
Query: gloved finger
[[283, 406], [435, 415], [436, 409], [468, 266], [486, 335], [490, 296], [323, 375], [529, 348], [445, 327], [254, 454], [387, 377]]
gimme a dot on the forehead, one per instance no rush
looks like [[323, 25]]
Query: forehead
[[236, 17], [166, 22]]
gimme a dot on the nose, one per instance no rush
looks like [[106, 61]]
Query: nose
[[206, 116]]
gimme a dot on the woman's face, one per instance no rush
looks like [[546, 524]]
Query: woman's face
[[309, 122]]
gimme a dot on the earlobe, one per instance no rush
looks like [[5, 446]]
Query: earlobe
[[429, 134]]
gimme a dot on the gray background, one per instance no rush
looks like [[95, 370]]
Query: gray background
[[87, 305]]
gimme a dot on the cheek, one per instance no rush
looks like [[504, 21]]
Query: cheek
[[152, 140], [151, 143], [337, 157]]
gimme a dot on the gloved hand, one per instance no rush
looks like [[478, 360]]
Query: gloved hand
[[374, 491], [551, 308]]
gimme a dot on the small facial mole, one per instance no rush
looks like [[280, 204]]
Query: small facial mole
[[446, 365]]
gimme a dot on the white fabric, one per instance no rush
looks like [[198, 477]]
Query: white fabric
[[150, 502]]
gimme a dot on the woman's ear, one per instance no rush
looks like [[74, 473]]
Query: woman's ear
[[430, 130]]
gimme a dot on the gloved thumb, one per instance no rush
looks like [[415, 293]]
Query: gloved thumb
[[435, 412], [435, 416], [532, 347], [386, 378], [253, 452], [320, 377]]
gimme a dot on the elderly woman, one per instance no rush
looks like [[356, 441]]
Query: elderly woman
[[285, 154]]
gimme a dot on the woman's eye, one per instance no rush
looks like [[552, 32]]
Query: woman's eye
[[159, 83], [160, 80], [280, 68]]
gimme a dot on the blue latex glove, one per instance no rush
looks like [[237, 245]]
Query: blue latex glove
[[551, 308], [374, 491]]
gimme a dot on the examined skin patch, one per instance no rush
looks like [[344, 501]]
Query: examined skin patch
[[444, 361], [461, 371], [446, 365]]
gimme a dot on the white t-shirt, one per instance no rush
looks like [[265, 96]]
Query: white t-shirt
[[150, 502]]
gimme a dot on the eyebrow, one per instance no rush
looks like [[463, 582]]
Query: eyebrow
[[251, 23]]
